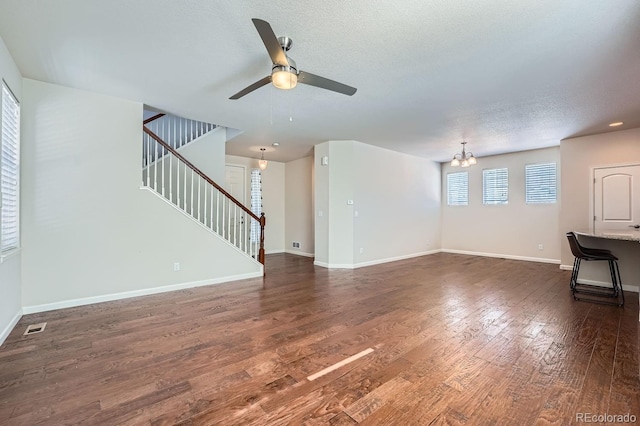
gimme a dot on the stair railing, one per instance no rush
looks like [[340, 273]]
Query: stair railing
[[176, 179], [177, 131]]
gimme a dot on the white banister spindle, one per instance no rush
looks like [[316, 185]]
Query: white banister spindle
[[155, 166], [228, 221], [217, 211], [146, 153], [223, 224], [184, 185], [199, 181], [243, 235], [163, 175], [235, 224], [204, 206], [211, 209], [171, 130], [171, 177], [191, 192], [178, 183]]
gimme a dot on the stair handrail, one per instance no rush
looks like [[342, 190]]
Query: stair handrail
[[261, 219], [155, 117]]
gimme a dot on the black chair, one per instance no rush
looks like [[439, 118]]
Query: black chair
[[599, 294]]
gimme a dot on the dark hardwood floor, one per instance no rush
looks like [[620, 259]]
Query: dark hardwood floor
[[456, 340]]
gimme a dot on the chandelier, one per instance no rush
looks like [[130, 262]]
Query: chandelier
[[463, 159]]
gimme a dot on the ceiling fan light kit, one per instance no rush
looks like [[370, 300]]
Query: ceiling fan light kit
[[284, 71], [283, 78]]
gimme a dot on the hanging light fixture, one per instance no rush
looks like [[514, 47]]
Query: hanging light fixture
[[262, 163], [464, 159]]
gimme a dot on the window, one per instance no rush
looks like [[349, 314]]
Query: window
[[495, 186], [458, 189], [256, 203], [540, 183], [9, 172]]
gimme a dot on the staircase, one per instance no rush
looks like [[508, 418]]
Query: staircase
[[166, 172]]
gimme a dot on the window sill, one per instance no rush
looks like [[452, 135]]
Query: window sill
[[9, 253]]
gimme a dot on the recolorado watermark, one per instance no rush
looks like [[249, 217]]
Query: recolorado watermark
[[605, 418]]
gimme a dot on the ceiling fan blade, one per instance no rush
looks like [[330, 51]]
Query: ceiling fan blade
[[271, 42], [258, 84], [325, 83]]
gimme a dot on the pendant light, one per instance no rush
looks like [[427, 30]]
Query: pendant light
[[262, 163]]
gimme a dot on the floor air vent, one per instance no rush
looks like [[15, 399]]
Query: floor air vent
[[35, 328]]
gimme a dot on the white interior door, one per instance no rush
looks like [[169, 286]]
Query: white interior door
[[235, 185], [616, 196]]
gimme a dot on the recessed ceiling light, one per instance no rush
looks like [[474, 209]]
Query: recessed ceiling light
[[617, 123], [277, 144]]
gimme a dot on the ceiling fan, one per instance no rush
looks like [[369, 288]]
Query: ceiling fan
[[284, 72]]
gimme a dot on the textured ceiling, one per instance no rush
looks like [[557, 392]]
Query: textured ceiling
[[505, 76]]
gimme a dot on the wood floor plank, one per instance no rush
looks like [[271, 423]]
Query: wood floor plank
[[457, 340]]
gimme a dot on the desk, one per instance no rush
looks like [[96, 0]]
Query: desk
[[613, 234]]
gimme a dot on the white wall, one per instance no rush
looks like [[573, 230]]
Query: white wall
[[273, 199], [10, 277], [395, 212], [579, 157], [208, 154], [397, 201], [341, 190], [514, 230], [299, 216], [321, 204], [89, 232]]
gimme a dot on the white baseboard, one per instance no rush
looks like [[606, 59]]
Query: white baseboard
[[373, 262], [395, 259], [135, 293], [625, 287], [7, 330], [503, 256], [333, 265], [273, 251], [299, 253]]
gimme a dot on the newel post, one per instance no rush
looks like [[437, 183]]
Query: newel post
[[263, 221]]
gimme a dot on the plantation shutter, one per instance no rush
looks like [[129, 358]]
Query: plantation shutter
[[540, 183], [9, 172], [495, 186], [458, 189]]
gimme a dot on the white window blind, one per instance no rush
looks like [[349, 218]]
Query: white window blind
[[256, 203], [540, 183], [9, 171], [495, 186], [458, 189]]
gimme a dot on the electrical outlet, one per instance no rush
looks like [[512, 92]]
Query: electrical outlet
[[540, 247], [176, 266], [361, 250], [296, 244]]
